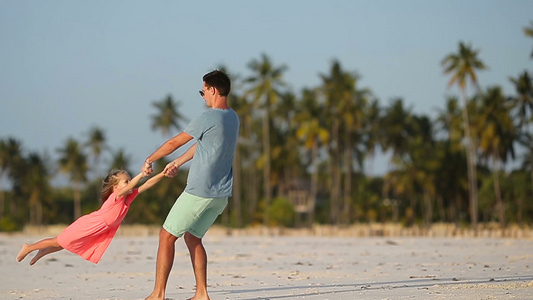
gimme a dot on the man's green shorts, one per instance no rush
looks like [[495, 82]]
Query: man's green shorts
[[193, 214]]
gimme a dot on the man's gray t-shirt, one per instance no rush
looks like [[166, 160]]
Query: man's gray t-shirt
[[211, 171]]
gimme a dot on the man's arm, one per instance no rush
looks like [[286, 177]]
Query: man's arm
[[167, 148], [171, 169]]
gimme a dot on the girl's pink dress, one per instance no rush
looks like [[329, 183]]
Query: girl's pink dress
[[90, 235]]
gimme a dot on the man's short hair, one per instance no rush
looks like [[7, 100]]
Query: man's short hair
[[218, 80]]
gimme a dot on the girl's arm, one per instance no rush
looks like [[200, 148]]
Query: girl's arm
[[132, 184], [151, 182]]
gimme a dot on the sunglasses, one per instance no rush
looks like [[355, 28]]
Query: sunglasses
[[202, 91]]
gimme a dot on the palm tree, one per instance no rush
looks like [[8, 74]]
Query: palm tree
[[168, 116], [450, 122], [266, 83], [398, 131], [396, 128], [497, 136], [238, 104], [285, 161], [523, 101], [37, 186], [10, 160], [245, 157], [371, 125], [97, 144], [450, 180], [353, 110], [463, 66], [523, 105], [312, 132], [338, 88], [426, 156], [73, 162]]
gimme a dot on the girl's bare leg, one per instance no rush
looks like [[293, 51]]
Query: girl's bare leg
[[44, 252], [40, 245]]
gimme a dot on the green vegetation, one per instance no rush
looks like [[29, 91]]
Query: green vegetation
[[300, 158]]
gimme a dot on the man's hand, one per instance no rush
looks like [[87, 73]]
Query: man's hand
[[171, 169], [147, 168]]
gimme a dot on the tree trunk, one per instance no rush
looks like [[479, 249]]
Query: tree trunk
[[429, 209], [266, 167], [77, 203], [39, 213], [498, 193], [347, 207], [471, 165], [314, 182], [250, 189], [442, 210], [252, 192], [237, 188], [335, 174], [36, 215]]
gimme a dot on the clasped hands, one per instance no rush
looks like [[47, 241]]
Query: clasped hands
[[171, 169]]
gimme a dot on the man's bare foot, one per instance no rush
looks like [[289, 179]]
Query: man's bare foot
[[23, 252], [200, 298], [153, 297]]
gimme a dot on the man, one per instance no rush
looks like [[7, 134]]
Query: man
[[209, 183]]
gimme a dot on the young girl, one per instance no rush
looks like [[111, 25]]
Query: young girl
[[90, 235]]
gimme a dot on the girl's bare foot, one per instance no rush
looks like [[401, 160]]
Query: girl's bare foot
[[23, 252], [43, 252], [37, 256]]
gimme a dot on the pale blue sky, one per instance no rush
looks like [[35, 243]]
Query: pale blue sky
[[66, 66]]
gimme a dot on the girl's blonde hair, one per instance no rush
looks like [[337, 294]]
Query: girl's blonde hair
[[109, 181]]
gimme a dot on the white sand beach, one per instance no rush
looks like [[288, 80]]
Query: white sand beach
[[283, 267]]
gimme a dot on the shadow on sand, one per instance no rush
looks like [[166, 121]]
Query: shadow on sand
[[325, 289]]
